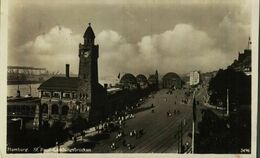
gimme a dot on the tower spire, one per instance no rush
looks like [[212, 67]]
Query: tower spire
[[89, 35]]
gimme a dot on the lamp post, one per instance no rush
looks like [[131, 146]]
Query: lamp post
[[58, 145], [193, 122]]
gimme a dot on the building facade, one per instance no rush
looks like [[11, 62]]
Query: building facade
[[194, 78], [66, 98], [142, 81], [171, 80]]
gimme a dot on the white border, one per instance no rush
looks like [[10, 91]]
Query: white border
[[3, 94]]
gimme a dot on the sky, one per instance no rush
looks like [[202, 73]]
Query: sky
[[137, 36]]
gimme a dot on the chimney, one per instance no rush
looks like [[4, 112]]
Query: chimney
[[67, 70]]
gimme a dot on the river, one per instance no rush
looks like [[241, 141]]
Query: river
[[24, 89]]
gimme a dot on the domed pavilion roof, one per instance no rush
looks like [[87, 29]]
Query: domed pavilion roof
[[171, 75], [128, 78], [141, 78]]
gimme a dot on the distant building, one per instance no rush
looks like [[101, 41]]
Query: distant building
[[128, 81], [171, 80], [23, 112], [194, 78], [64, 98], [153, 81], [243, 63], [142, 81]]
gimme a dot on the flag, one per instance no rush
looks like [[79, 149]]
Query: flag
[[194, 109], [118, 76]]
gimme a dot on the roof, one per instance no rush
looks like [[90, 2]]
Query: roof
[[141, 78], [171, 75], [152, 77], [61, 83], [128, 78], [89, 33]]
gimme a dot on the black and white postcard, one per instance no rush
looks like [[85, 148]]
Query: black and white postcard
[[132, 78]]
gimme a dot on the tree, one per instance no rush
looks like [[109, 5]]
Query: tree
[[239, 86]]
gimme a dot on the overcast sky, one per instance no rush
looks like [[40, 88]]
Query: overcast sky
[[134, 36]]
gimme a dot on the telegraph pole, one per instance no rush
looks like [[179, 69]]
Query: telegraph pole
[[178, 140], [227, 102], [181, 137], [193, 123]]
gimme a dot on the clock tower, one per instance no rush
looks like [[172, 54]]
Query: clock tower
[[88, 68]]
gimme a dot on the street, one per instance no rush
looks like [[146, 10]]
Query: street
[[160, 130]]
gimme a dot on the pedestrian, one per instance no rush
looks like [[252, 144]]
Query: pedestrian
[[134, 132], [141, 131], [75, 139], [136, 135], [113, 146], [131, 134]]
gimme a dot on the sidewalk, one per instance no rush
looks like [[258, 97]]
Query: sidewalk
[[65, 146]]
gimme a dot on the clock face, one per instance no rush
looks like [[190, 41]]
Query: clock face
[[86, 54]]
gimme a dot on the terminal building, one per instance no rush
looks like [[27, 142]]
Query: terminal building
[[128, 81], [171, 80], [142, 81], [64, 98]]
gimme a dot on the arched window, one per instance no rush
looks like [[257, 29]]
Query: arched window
[[54, 109], [45, 108], [65, 110]]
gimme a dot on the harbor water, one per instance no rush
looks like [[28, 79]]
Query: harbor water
[[24, 89]]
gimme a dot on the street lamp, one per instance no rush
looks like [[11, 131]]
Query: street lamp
[[58, 145]]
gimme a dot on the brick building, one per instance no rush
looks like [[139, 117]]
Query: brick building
[[65, 98]]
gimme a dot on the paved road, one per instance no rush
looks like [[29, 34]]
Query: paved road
[[160, 131]]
